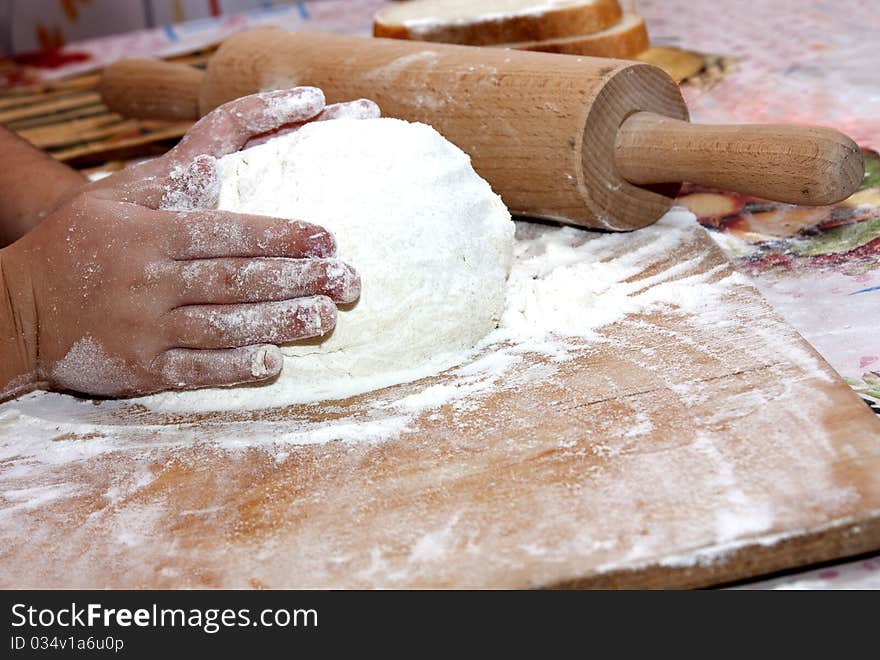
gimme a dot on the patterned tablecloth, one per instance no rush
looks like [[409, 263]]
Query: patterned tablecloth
[[780, 61], [797, 62]]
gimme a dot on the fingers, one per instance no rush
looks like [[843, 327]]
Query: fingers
[[231, 281], [227, 128], [231, 326], [360, 109], [212, 234], [181, 368], [187, 178], [179, 181], [196, 186]]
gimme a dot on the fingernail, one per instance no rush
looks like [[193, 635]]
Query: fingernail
[[320, 243], [285, 105], [317, 316], [369, 108], [266, 362], [343, 282]]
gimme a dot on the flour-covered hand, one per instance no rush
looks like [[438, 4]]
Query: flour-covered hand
[[135, 285]]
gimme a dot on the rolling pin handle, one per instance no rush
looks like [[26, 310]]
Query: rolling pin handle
[[152, 89], [806, 165]]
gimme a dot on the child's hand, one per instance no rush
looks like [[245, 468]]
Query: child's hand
[[130, 288]]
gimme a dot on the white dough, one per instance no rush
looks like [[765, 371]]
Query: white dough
[[431, 241]]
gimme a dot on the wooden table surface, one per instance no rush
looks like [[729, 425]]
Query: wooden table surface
[[691, 447], [680, 453]]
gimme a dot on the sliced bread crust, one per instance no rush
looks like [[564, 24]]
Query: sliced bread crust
[[496, 21], [623, 41]]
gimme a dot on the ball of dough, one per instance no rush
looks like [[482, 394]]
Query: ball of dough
[[432, 243]]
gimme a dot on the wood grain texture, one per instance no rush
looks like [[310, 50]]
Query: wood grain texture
[[126, 145], [673, 454], [807, 165], [493, 22], [68, 119], [539, 127], [12, 98], [56, 135], [63, 118], [152, 89], [594, 142], [67, 102]]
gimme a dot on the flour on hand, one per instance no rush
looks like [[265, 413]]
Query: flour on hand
[[432, 243]]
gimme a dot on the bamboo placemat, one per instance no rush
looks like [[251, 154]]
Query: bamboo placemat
[[67, 119]]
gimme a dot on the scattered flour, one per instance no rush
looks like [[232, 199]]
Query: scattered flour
[[565, 287], [87, 367], [623, 507], [571, 294]]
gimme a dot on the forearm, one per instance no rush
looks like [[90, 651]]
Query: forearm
[[18, 346], [32, 183]]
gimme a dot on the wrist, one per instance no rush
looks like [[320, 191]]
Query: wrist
[[31, 189], [18, 330]]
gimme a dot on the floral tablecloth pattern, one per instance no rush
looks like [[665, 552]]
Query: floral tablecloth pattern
[[796, 62]]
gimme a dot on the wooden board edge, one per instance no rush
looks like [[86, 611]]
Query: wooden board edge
[[753, 559]]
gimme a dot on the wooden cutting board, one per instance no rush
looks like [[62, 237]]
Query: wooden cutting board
[[676, 453]]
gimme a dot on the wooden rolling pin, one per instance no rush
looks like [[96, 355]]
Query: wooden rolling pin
[[593, 142]]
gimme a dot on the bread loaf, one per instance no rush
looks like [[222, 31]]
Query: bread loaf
[[623, 41], [494, 22]]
